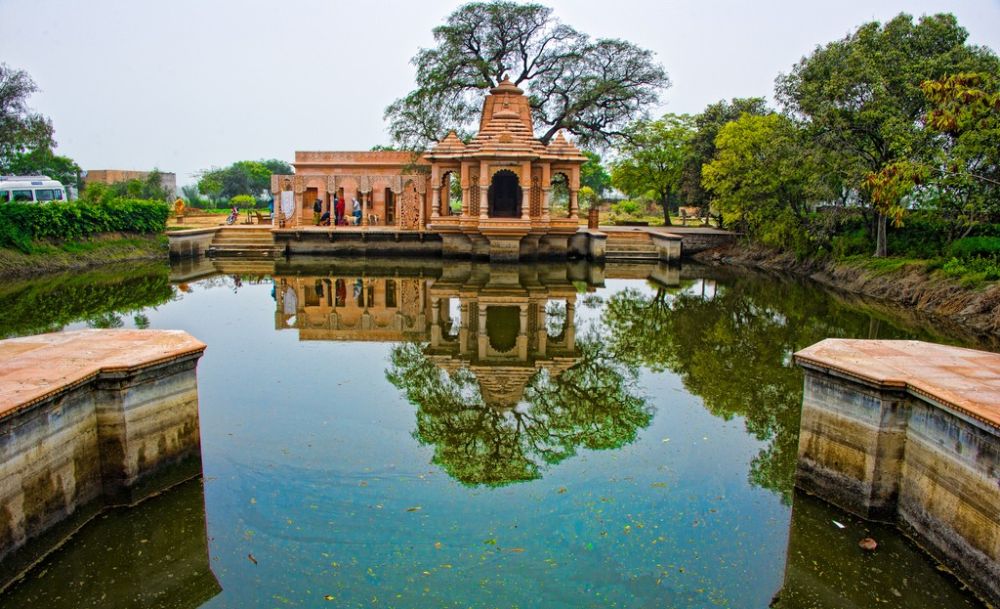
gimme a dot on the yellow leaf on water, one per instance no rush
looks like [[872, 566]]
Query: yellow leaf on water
[[330, 597], [437, 545], [415, 508]]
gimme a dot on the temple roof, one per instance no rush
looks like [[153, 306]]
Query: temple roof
[[506, 130]]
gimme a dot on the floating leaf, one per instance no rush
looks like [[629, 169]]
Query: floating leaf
[[252, 559], [415, 508]]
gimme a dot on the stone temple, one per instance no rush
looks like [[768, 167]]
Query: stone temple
[[505, 175]]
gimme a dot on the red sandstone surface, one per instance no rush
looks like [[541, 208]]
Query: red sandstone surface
[[965, 380], [35, 367]]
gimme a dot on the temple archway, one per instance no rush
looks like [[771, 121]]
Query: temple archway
[[504, 195]]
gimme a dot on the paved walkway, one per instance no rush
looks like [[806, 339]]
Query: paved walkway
[[36, 367]]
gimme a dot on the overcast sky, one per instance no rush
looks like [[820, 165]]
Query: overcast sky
[[185, 85]]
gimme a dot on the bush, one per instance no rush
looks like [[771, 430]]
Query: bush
[[975, 247], [626, 208], [23, 223], [243, 201], [973, 270]]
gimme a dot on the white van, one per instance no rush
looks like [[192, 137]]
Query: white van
[[30, 189]]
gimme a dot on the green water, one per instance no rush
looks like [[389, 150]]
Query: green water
[[410, 434]]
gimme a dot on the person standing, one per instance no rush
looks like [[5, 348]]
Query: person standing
[[317, 210], [356, 211], [338, 207]]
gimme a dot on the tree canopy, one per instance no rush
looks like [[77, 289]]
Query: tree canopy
[[653, 159], [590, 87], [27, 137], [861, 98], [594, 404], [241, 178]]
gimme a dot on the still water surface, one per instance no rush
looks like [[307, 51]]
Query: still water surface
[[404, 434]]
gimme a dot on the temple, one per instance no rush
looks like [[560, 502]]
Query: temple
[[505, 175]]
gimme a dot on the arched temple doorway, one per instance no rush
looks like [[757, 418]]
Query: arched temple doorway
[[504, 195]]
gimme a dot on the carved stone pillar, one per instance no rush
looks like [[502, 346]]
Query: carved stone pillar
[[396, 202], [436, 322], [483, 338], [466, 193], [526, 202], [546, 201], [365, 196], [435, 203], [463, 328], [484, 204], [570, 325], [574, 210]]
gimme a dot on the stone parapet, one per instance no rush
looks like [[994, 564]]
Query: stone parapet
[[89, 419], [908, 431]]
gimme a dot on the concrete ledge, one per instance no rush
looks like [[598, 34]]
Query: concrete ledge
[[668, 246], [909, 432], [190, 243], [90, 419]]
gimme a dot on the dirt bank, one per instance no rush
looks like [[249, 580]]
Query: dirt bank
[[103, 249], [910, 286]]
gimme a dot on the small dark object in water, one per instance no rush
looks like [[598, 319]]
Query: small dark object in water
[[868, 544]]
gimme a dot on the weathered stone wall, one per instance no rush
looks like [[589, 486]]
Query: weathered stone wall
[[885, 453], [190, 243], [110, 438]]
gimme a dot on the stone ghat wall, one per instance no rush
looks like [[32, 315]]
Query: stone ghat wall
[[878, 448], [108, 435]]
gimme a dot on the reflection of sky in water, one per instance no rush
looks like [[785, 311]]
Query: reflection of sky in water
[[311, 467]]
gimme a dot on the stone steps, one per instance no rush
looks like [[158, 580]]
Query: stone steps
[[242, 242]]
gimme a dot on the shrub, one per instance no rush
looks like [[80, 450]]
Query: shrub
[[626, 208], [975, 247], [23, 223], [243, 201]]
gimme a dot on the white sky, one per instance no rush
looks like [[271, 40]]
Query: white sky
[[185, 85]]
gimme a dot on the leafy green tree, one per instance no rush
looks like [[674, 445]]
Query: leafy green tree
[[965, 115], [594, 404], [707, 125], [43, 161], [594, 175], [592, 88], [241, 178], [653, 157], [861, 95], [763, 177], [21, 130]]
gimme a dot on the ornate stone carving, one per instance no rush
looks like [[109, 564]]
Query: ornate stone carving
[[409, 208], [474, 192]]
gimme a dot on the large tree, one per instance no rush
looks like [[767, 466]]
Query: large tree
[[590, 87], [707, 126], [763, 177], [21, 130], [241, 178], [861, 95], [652, 159]]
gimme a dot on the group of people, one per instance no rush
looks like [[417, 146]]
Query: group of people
[[322, 218]]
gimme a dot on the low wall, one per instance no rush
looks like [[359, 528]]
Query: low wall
[[190, 243], [384, 243], [90, 419], [588, 244], [909, 432]]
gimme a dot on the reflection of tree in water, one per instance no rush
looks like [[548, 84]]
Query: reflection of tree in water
[[733, 348], [594, 404]]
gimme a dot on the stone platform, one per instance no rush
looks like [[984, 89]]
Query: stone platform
[[909, 432], [89, 419]]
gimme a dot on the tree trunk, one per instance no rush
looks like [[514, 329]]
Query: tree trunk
[[666, 210], [881, 251]]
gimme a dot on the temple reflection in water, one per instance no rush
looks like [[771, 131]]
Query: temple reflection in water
[[488, 354], [502, 323]]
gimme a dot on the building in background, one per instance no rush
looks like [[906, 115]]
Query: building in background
[[112, 176]]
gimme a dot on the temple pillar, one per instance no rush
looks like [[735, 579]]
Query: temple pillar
[[435, 203], [526, 191], [421, 202], [522, 335], [463, 328], [483, 337], [396, 202], [574, 210], [436, 322], [484, 204], [546, 201], [543, 333], [465, 202], [570, 325], [365, 207]]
